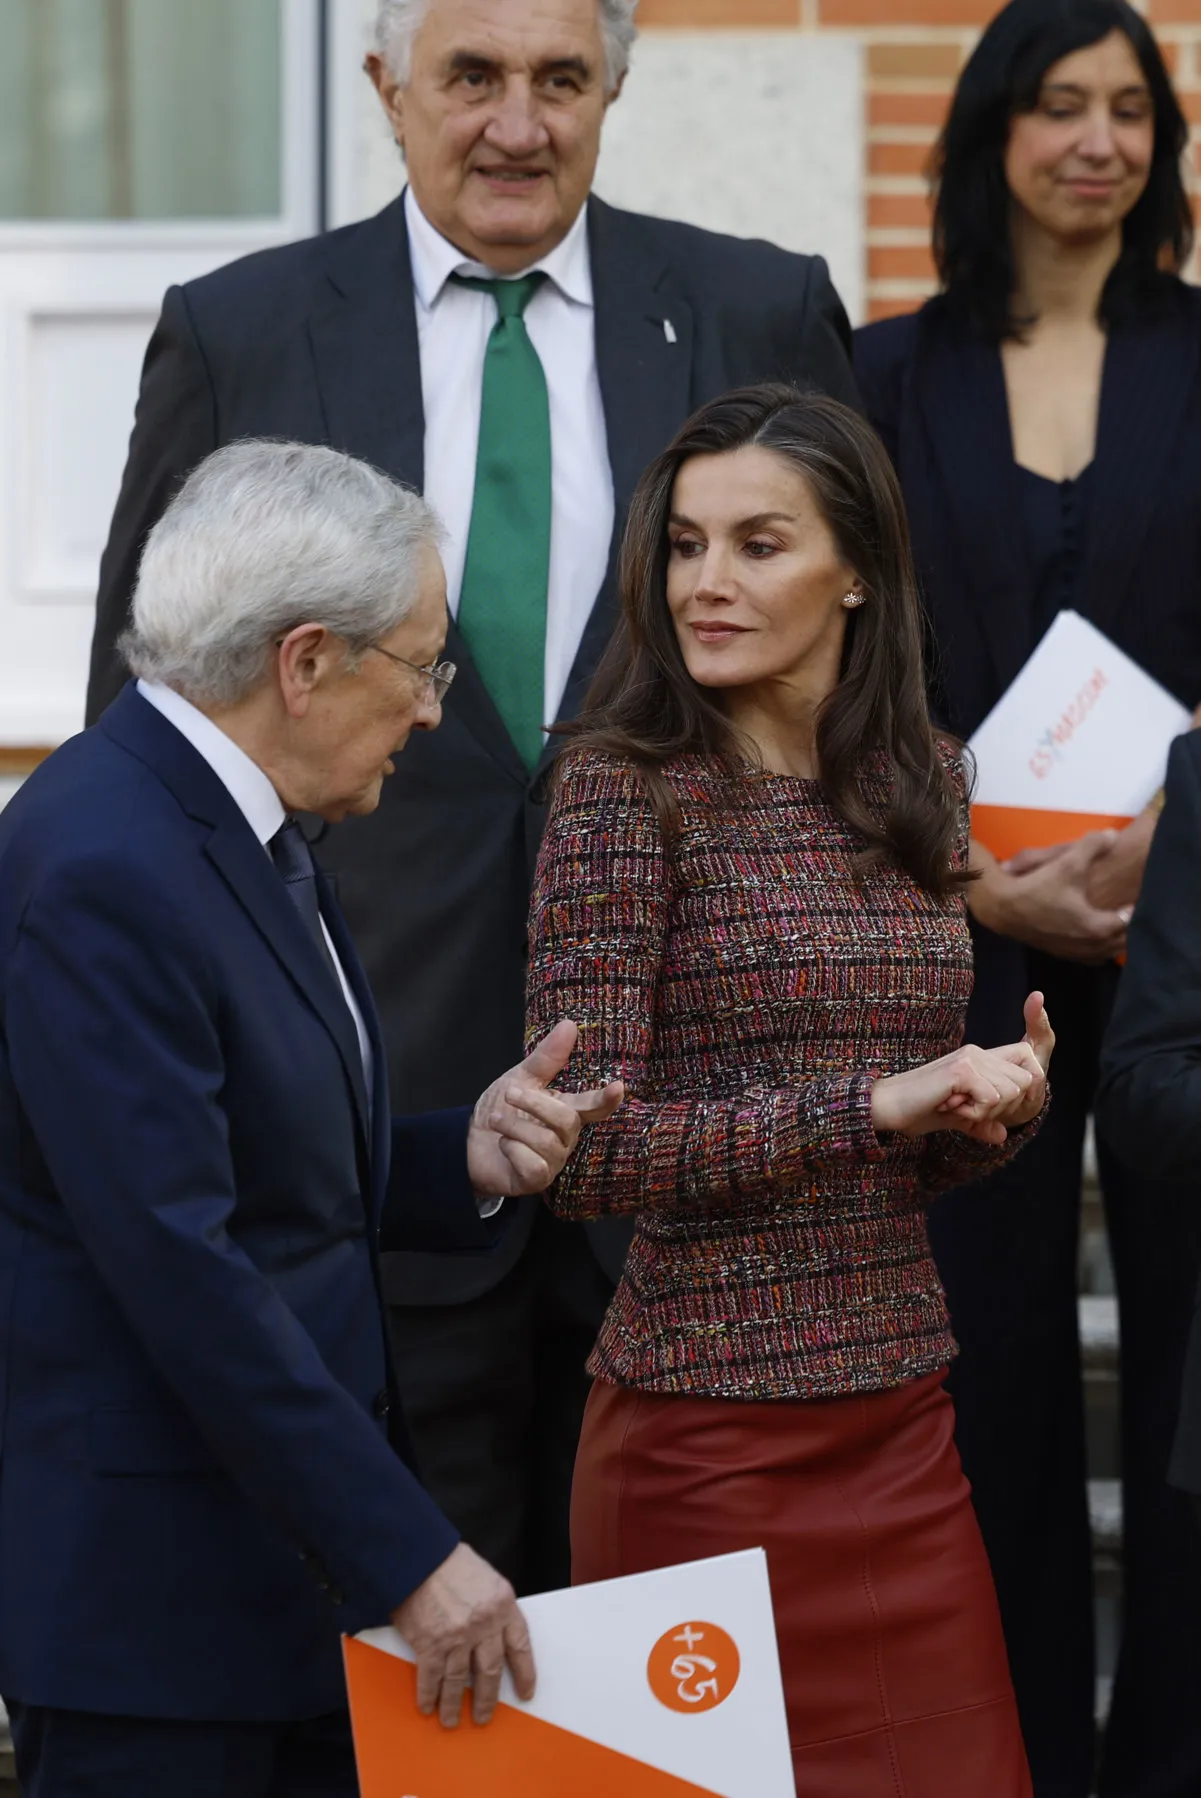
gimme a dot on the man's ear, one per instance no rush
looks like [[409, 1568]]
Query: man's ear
[[308, 656], [390, 92], [616, 94]]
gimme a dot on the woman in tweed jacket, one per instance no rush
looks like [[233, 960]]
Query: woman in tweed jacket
[[750, 896]]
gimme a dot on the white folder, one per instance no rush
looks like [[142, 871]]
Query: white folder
[[660, 1685], [1079, 742]]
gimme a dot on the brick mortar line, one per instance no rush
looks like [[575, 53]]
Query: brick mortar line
[[898, 237], [911, 34], [906, 186], [942, 88], [896, 287], [901, 134], [917, 291]]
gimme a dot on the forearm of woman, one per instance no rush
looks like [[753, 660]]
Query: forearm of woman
[[598, 935], [716, 1154]]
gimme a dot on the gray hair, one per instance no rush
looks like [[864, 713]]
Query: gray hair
[[398, 21], [261, 537]]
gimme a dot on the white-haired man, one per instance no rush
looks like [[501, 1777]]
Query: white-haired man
[[518, 350], [206, 1476]]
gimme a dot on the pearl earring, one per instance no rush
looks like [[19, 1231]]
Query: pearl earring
[[851, 600]]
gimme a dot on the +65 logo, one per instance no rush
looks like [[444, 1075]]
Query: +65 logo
[[694, 1667]]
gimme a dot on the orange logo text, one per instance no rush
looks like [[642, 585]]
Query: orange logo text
[[1049, 748]]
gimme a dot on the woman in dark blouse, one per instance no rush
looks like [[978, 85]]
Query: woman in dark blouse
[[1044, 416], [750, 895]]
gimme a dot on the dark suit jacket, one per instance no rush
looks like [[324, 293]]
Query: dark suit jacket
[[935, 391], [1149, 1102], [199, 1492], [318, 341]]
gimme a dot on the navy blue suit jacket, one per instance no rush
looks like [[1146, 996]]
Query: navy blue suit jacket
[[198, 1490]]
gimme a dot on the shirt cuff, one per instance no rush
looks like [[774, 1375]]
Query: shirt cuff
[[487, 1207]]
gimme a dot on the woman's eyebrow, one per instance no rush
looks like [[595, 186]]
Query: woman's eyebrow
[[1078, 92], [741, 524]]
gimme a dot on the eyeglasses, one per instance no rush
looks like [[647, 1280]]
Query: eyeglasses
[[438, 675]]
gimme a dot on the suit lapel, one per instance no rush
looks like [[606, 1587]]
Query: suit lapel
[[643, 345], [1150, 369], [644, 357], [246, 868], [381, 1103], [365, 351], [238, 856], [959, 392]]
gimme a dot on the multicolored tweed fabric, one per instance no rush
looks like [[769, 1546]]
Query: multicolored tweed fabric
[[747, 988]]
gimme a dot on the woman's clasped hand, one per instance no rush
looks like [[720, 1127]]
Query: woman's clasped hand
[[982, 1093]]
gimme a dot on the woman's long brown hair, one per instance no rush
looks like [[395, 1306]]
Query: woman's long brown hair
[[645, 707]]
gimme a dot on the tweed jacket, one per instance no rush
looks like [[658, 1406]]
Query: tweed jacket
[[749, 984]]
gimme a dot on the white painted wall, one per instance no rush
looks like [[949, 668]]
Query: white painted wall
[[756, 133]]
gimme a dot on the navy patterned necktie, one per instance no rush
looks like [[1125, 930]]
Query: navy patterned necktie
[[294, 860]]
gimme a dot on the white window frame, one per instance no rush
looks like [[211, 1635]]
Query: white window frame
[[302, 150]]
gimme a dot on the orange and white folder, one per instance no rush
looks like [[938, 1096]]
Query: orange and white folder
[[661, 1685], [1079, 742]]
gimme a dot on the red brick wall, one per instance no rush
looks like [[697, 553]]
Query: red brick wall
[[913, 50]]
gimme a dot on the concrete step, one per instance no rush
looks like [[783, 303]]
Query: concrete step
[[1105, 1514], [1089, 1176], [1099, 1348], [1099, 1334], [1095, 1273], [8, 1771]]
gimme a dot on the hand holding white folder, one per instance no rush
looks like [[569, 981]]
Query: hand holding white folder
[[660, 1685], [1078, 743]]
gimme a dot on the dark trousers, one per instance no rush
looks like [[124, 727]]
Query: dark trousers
[[77, 1754], [494, 1393], [1007, 1250]]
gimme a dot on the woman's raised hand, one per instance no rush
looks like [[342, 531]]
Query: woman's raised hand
[[982, 1093]]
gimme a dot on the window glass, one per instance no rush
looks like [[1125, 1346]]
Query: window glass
[[140, 109]]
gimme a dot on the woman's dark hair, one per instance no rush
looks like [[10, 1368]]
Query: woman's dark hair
[[877, 753], [1002, 79]]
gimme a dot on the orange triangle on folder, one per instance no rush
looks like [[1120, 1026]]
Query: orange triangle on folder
[[402, 1754]]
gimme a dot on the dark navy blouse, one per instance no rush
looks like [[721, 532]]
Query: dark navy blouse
[[1054, 523]]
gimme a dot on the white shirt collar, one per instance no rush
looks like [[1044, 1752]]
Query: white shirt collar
[[248, 787], [435, 259]]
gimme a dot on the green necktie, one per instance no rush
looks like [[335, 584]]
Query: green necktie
[[502, 602]]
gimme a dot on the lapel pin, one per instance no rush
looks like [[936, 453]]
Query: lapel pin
[[669, 331]]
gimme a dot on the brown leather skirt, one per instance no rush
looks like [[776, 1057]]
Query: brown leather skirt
[[894, 1665]]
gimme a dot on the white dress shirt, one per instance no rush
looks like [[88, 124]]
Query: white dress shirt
[[258, 802], [453, 327]]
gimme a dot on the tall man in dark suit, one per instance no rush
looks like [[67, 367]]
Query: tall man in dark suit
[[519, 351], [204, 1469]]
